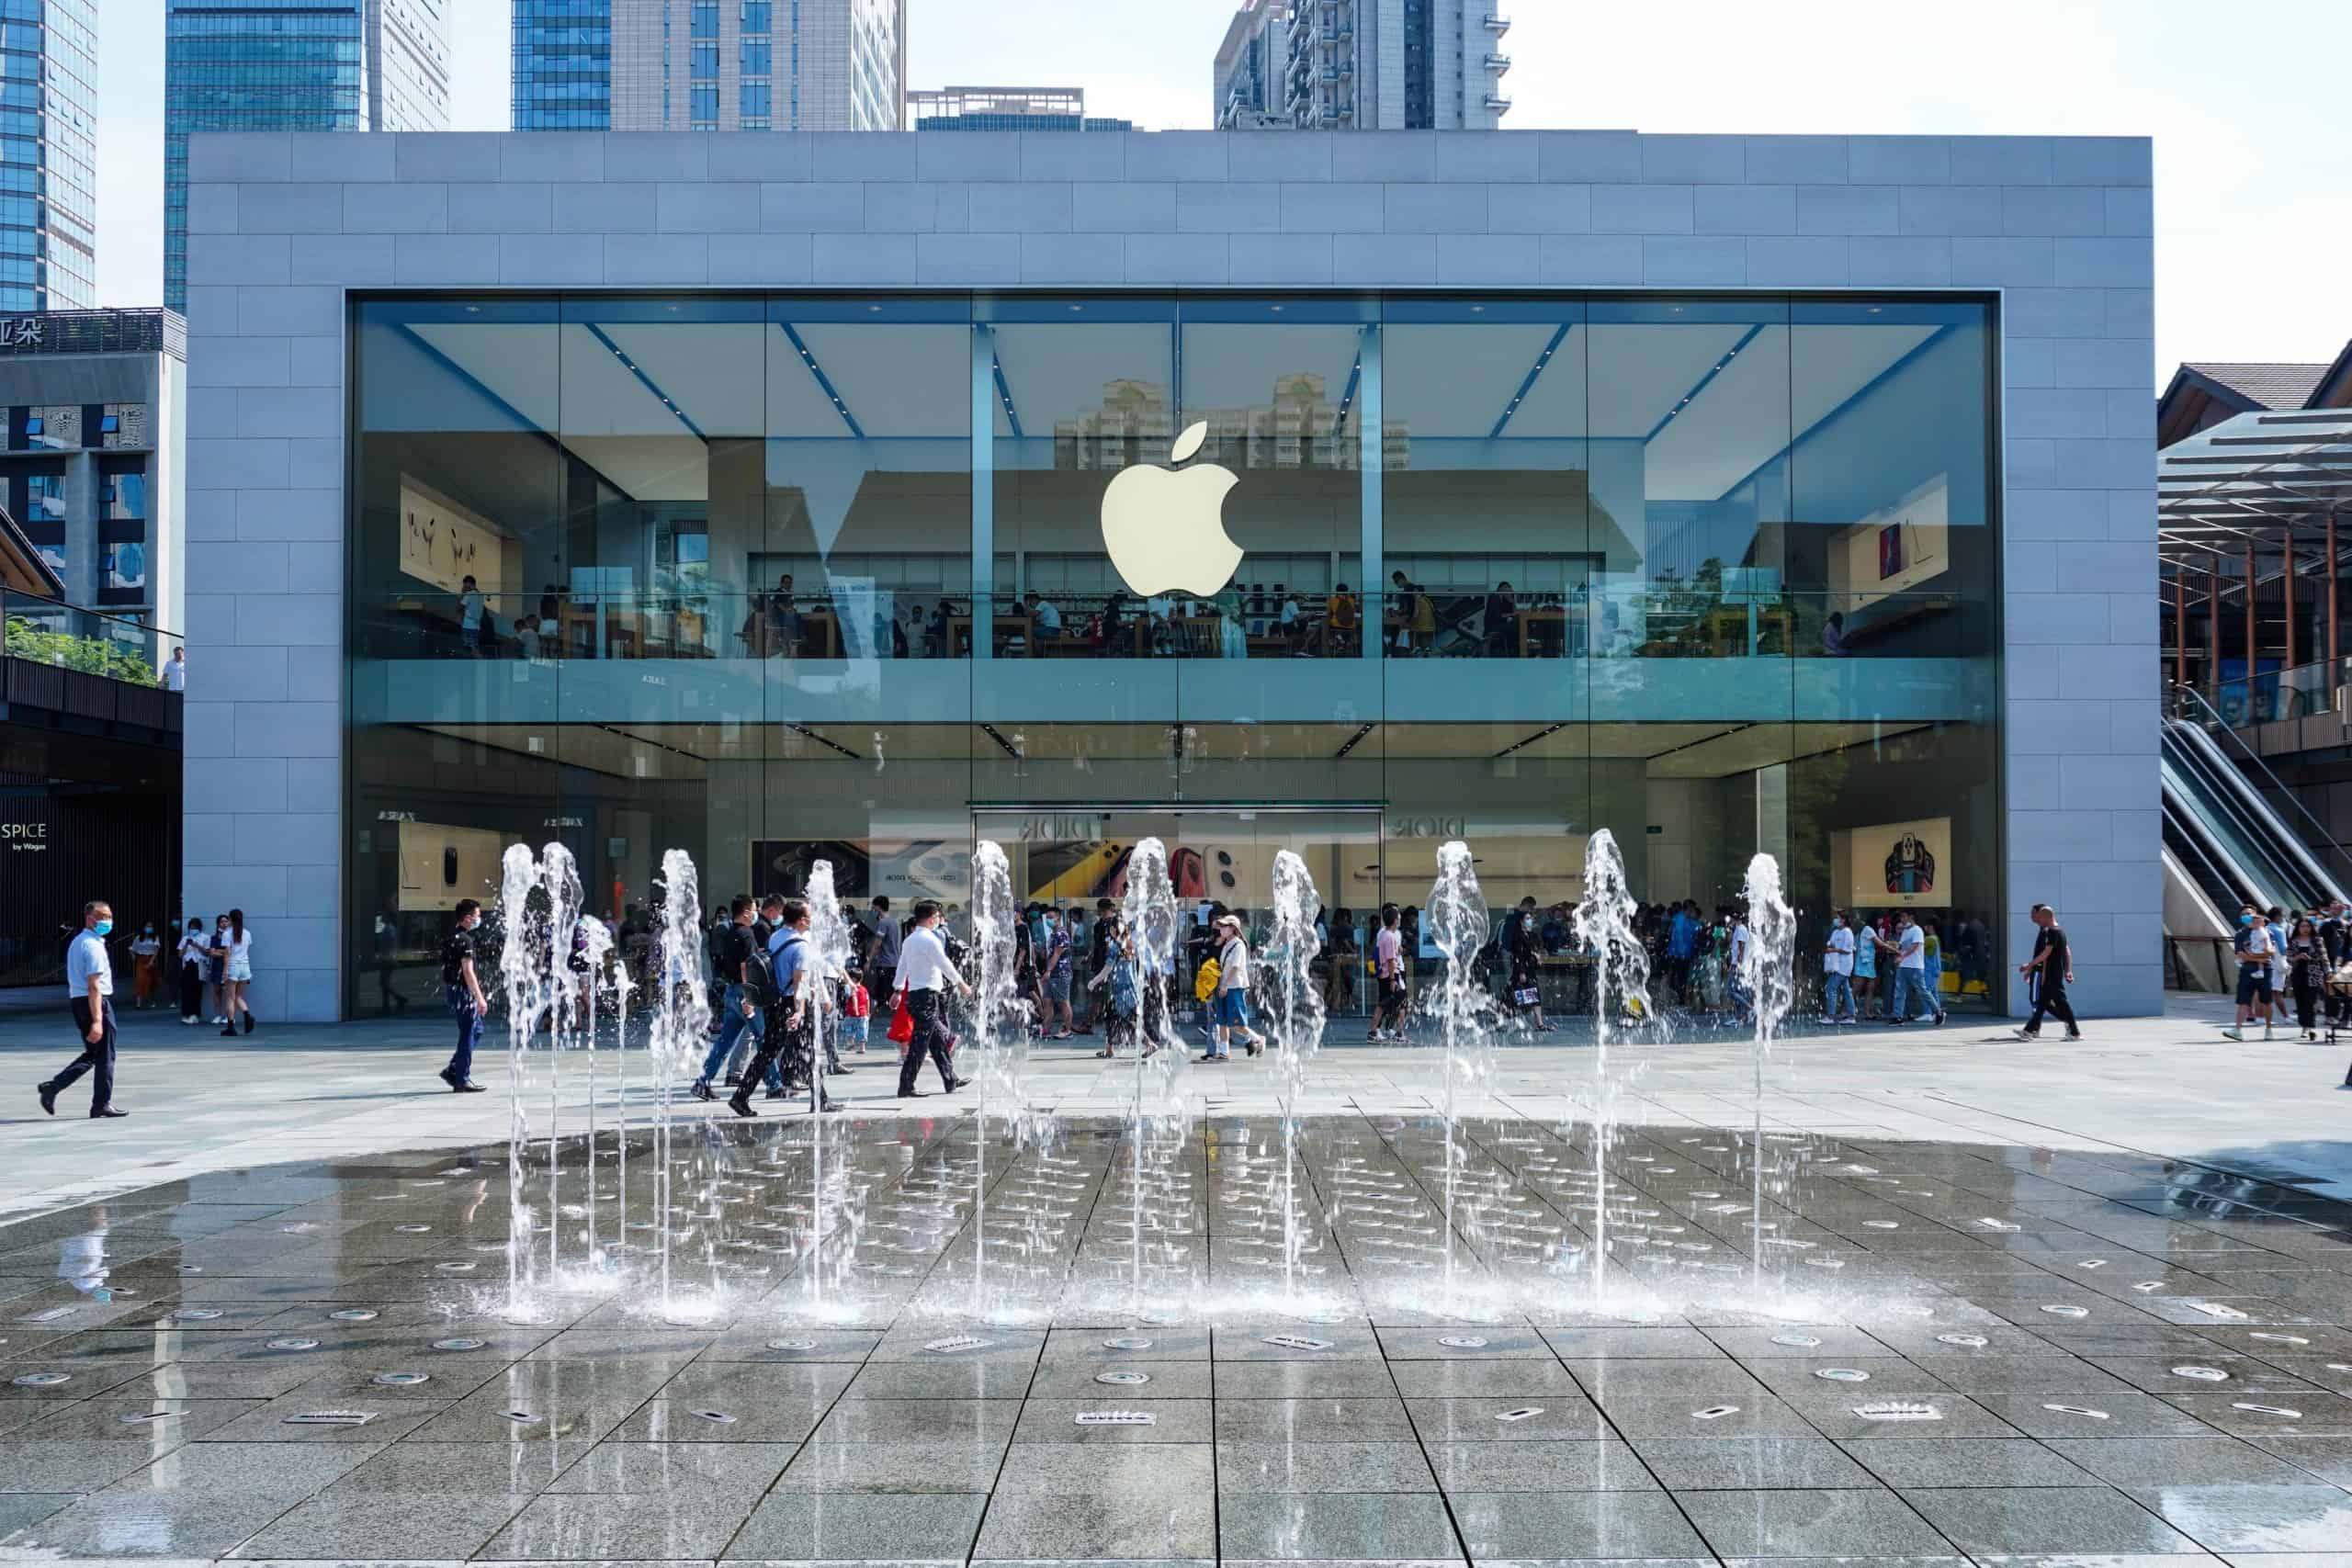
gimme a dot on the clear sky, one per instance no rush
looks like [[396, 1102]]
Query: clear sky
[[2249, 108]]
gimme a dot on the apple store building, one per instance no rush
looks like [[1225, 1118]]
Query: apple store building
[[842, 499]]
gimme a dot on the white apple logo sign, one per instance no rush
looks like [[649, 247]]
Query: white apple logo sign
[[1165, 528]]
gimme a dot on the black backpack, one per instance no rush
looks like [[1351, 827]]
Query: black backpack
[[759, 974]]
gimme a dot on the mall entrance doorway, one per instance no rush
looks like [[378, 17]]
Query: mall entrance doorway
[[1220, 857]]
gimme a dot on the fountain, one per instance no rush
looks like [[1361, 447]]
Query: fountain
[[1298, 1019], [680, 1021], [1156, 1106], [1604, 924], [1767, 972], [1458, 924]]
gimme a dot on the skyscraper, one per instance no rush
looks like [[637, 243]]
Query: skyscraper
[[709, 64], [1364, 66], [49, 224], [292, 65]]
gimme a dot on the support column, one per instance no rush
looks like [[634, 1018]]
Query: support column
[[2249, 630], [2213, 633], [2286, 586], [2332, 600], [983, 494], [2180, 626], [1371, 423]]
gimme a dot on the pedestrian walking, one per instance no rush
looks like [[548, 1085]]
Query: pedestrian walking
[[236, 955], [2051, 970], [1836, 971], [923, 971], [1389, 976], [89, 981], [2257, 969], [2306, 973], [462, 985], [882, 961], [1911, 972], [192, 961], [740, 1019], [786, 983], [1232, 998]]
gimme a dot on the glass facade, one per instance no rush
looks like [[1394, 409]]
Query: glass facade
[[48, 135], [237, 65], [564, 65], [776, 578]]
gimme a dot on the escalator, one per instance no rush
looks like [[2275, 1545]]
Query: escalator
[[2225, 838]]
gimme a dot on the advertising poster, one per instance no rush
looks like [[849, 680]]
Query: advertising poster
[[441, 864], [1894, 865]]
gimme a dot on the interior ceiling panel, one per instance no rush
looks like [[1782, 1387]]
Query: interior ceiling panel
[[1453, 382], [1057, 372], [712, 370], [1761, 745], [899, 378], [1237, 366], [1639, 371], [1834, 362], [509, 359]]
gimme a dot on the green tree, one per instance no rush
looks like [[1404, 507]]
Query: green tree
[[29, 639]]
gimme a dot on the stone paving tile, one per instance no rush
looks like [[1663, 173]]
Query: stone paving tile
[[696, 1522], [359, 1525], [1517, 1526], [1804, 1523], [2250, 1518], [1539, 1467], [874, 1526], [1982, 1520], [205, 1524], [1967, 1461], [1386, 1527]]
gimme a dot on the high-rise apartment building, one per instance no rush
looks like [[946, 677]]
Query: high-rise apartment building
[[292, 65], [1364, 66], [709, 64], [48, 137], [1248, 86]]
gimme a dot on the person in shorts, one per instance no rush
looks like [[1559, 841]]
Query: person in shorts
[[2258, 967], [1389, 978], [1054, 966], [1232, 1001]]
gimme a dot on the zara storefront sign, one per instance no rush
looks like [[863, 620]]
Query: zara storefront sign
[[29, 836]]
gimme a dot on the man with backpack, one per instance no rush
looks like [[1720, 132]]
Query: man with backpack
[[784, 982], [732, 950]]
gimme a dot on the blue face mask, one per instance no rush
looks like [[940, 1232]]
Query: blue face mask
[[103, 927], [2245, 920]]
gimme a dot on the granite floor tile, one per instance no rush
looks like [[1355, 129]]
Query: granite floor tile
[[1510, 1380], [1392, 1526], [1810, 1523], [1519, 1527], [1707, 1465], [2185, 1461], [1059, 1420], [1314, 1420], [1096, 1526], [362, 1525], [2249, 1518], [1256, 1465], [1983, 1520], [963, 1421], [1548, 1420], [2254, 1413], [74, 1464], [871, 1527], [696, 1522], [184, 1524], [418, 1466], [1318, 1380], [822, 1466], [941, 1380], [1079, 1379], [1656, 1415], [2112, 1415], [1851, 1414], [151, 1423], [1966, 1461], [746, 1420], [1607, 1466], [19, 1509], [1677, 1341], [296, 1470]]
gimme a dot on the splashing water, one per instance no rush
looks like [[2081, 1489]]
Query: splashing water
[[1604, 924], [1767, 970], [681, 1020], [1458, 924], [594, 951], [1299, 1020], [520, 978], [1157, 1106]]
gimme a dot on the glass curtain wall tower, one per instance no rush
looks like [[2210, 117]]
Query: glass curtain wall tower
[[292, 65], [48, 130], [709, 64]]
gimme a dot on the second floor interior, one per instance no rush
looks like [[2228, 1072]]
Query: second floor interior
[[704, 508]]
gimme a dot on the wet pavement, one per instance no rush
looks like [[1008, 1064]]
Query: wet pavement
[[908, 1339]]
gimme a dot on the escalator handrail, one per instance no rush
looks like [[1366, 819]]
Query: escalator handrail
[[2213, 720], [2217, 878], [2227, 873], [2215, 799], [2237, 795]]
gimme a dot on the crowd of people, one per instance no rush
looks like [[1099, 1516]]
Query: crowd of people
[[2285, 957]]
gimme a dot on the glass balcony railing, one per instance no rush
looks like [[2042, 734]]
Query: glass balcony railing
[[2303, 691], [1612, 620], [89, 642]]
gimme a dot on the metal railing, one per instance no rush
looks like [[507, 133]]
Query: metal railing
[[52, 633], [2188, 705], [1624, 620]]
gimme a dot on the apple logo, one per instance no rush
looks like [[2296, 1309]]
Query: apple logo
[[1165, 528]]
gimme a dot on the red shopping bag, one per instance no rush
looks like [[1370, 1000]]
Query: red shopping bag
[[902, 1022]]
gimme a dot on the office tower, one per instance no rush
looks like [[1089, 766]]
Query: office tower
[[709, 64], [47, 161], [293, 65], [1366, 65], [1247, 87], [1006, 109]]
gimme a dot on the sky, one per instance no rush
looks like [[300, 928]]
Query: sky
[[2252, 121]]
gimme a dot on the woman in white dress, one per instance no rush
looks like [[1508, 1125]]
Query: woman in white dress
[[235, 954]]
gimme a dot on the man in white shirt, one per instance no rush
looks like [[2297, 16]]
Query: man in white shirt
[[1911, 971], [176, 670], [1837, 971], [1736, 968], [2257, 965], [924, 972], [89, 980]]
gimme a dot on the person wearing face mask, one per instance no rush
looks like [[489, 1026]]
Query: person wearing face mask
[[146, 971], [1519, 945], [89, 981], [1836, 971], [2257, 964], [461, 984]]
